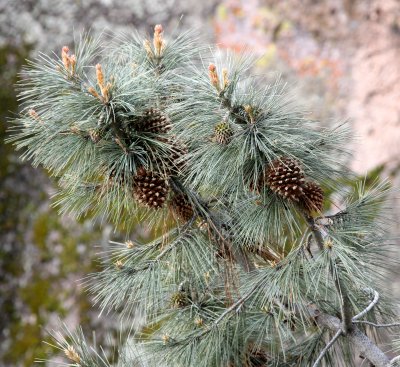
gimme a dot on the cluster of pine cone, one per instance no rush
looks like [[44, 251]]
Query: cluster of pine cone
[[286, 178], [151, 188]]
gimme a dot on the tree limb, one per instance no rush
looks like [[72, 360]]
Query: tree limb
[[370, 306], [217, 226], [394, 361], [327, 347], [365, 345], [236, 305], [395, 324], [345, 305], [359, 340]]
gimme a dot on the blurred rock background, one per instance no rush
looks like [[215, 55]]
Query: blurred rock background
[[341, 55]]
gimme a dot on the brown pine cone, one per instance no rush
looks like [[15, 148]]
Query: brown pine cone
[[181, 208], [154, 121], [150, 189], [313, 197], [286, 178]]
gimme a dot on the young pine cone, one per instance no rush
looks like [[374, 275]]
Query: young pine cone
[[223, 133], [286, 178], [181, 208], [154, 121], [313, 198], [179, 299], [150, 189]]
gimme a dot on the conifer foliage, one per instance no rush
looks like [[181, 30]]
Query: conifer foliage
[[261, 268]]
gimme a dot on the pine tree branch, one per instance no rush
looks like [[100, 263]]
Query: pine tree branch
[[267, 137], [217, 225], [235, 306], [327, 347], [345, 305], [265, 254], [370, 306], [239, 255], [315, 231], [378, 326], [367, 348], [394, 361], [365, 345], [308, 246]]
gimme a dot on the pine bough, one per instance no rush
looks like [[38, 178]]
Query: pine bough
[[252, 273]]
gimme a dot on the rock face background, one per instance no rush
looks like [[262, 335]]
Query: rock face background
[[342, 55]]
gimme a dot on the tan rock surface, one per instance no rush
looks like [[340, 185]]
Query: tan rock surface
[[374, 93]]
